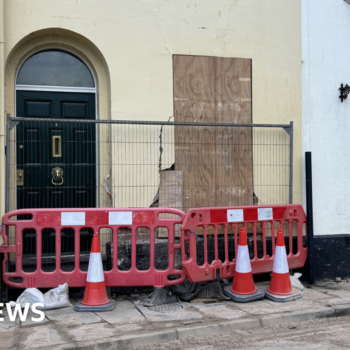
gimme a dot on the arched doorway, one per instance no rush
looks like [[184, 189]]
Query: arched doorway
[[57, 160]]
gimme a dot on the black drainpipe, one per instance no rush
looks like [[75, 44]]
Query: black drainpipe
[[309, 213]]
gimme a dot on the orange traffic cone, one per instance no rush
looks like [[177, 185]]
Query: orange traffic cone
[[243, 288], [95, 296], [280, 286]]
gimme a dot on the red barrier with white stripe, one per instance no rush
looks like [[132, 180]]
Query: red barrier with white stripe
[[268, 218], [95, 219]]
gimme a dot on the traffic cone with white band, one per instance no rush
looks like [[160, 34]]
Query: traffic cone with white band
[[280, 286], [243, 288], [95, 296]]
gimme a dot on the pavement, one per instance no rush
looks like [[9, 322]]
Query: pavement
[[131, 324], [322, 333]]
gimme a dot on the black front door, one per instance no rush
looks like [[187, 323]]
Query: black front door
[[57, 160]]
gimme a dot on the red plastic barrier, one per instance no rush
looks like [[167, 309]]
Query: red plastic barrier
[[95, 219], [231, 219]]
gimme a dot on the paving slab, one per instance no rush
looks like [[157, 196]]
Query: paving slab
[[63, 310], [123, 305], [6, 324], [9, 339], [3, 327], [125, 328], [273, 307], [183, 314], [120, 342], [314, 294], [18, 323], [343, 294], [247, 305], [297, 316], [29, 321], [318, 288], [334, 301], [201, 304], [90, 332], [120, 317], [221, 311], [332, 285], [38, 337], [75, 318], [219, 328]]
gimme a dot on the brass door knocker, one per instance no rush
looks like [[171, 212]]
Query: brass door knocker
[[57, 176]]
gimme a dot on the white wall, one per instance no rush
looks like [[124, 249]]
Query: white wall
[[326, 121]]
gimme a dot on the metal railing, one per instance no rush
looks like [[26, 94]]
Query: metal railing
[[148, 146], [122, 163]]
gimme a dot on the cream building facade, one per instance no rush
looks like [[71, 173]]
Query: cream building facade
[[129, 48]]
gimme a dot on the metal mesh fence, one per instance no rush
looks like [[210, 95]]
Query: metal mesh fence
[[55, 163]]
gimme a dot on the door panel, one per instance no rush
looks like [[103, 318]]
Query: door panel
[[73, 110], [43, 146], [36, 109]]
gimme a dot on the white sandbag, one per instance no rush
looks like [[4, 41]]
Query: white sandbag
[[31, 296], [295, 281], [53, 299], [57, 297]]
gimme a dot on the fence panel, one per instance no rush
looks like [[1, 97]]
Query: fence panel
[[35, 271], [66, 163], [216, 247], [60, 163]]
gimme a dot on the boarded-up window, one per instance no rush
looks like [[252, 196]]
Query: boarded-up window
[[217, 162]]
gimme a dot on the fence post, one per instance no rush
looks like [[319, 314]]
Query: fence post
[[8, 163], [4, 287], [309, 214], [291, 163]]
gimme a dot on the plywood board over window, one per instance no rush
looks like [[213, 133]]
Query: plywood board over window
[[217, 162]]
